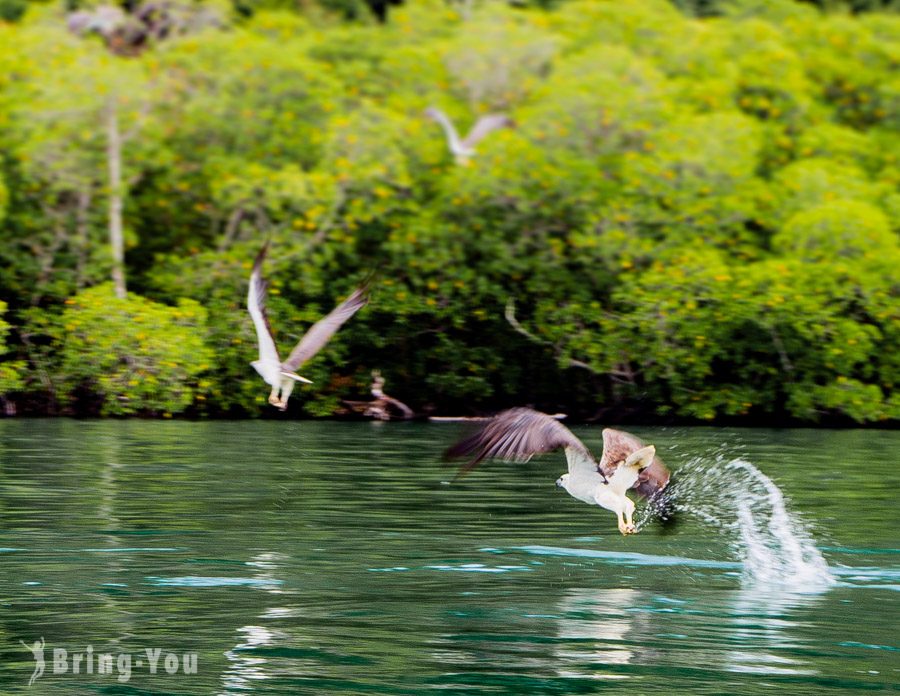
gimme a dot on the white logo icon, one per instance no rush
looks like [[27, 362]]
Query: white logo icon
[[37, 651]]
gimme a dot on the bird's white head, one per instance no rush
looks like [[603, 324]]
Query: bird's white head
[[563, 481]]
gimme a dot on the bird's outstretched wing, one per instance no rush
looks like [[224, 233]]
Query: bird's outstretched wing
[[256, 304], [320, 332], [617, 445], [485, 125], [436, 114], [517, 435]]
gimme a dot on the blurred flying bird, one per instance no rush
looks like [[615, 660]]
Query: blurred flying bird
[[282, 375], [464, 149], [519, 433]]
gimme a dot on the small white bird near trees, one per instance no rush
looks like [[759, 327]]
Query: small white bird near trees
[[281, 376], [464, 149]]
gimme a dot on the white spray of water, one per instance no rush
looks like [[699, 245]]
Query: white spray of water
[[778, 548], [775, 547]]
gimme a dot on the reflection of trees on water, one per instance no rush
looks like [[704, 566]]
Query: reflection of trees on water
[[110, 448], [61, 505], [77, 497]]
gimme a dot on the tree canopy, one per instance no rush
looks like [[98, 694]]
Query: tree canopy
[[694, 217]]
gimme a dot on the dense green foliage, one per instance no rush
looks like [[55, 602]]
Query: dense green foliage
[[132, 355], [693, 217], [10, 370]]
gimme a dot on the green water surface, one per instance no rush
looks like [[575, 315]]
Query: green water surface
[[318, 558]]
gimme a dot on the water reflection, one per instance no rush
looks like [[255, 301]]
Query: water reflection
[[244, 666], [265, 564], [109, 454], [596, 627], [765, 627]]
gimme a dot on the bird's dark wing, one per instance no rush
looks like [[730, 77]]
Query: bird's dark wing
[[322, 331], [617, 445], [256, 305], [517, 435]]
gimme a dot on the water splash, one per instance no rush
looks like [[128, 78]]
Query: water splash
[[779, 548], [775, 548]]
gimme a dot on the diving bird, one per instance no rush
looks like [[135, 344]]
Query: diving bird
[[519, 433], [282, 375], [464, 149]]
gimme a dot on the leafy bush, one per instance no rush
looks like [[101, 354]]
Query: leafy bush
[[837, 230], [133, 355], [10, 370]]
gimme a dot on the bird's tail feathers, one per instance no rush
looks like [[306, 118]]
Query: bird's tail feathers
[[297, 378]]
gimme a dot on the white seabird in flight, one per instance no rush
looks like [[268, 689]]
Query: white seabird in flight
[[282, 375], [464, 148], [519, 433]]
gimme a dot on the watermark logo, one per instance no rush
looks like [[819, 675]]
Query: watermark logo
[[154, 660], [37, 652]]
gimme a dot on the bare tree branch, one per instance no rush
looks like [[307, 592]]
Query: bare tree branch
[[47, 255], [116, 193], [82, 242], [510, 315], [232, 226], [325, 227], [786, 364]]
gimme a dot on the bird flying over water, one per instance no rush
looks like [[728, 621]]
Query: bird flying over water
[[282, 375], [518, 434], [464, 148]]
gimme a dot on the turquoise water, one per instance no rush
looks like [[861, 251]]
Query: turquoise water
[[312, 558]]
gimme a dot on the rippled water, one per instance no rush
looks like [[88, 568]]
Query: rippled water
[[303, 557]]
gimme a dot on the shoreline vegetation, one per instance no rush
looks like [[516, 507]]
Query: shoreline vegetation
[[693, 219]]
